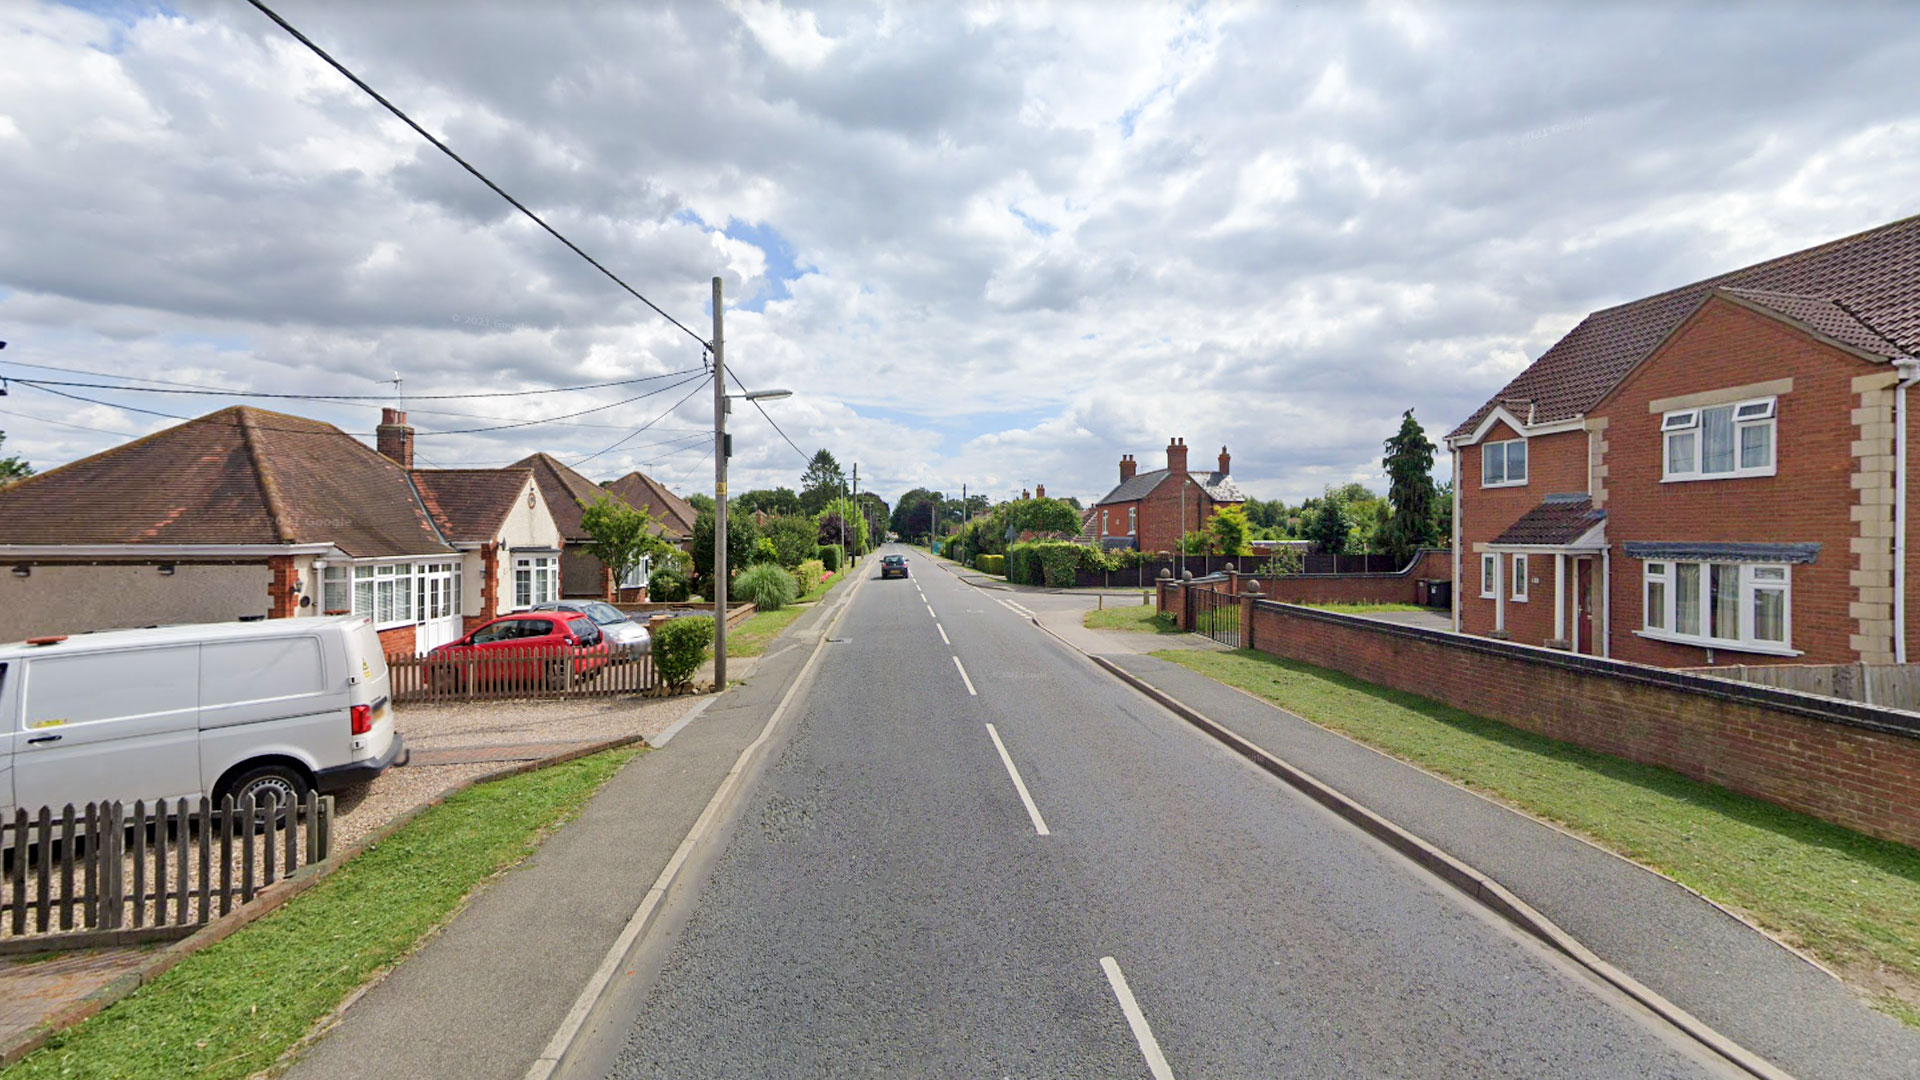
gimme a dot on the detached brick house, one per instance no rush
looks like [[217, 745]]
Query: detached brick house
[[1717, 474], [1146, 510], [245, 513]]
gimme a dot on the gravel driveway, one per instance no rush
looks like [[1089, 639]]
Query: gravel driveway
[[453, 743]]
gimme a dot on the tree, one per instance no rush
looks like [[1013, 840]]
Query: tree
[[701, 502], [13, 469], [778, 501], [913, 513], [1229, 528], [874, 509], [1327, 525], [829, 522], [1410, 491], [741, 537], [624, 537], [821, 483], [793, 537], [1443, 514], [1043, 515]]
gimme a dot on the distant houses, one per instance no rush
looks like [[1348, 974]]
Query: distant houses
[[1151, 511]]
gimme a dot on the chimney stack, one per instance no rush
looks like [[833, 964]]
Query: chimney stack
[[1225, 462], [1039, 491], [1126, 467], [1177, 456], [1025, 494], [393, 438]]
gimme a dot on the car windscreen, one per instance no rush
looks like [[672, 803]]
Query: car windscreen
[[604, 614]]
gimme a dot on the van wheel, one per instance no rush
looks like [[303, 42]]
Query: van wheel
[[286, 784]]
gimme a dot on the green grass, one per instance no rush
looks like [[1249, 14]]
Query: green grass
[[1848, 899], [1141, 617], [750, 638], [1365, 609], [233, 1008]]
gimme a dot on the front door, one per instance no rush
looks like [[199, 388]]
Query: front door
[[436, 605], [1583, 639]]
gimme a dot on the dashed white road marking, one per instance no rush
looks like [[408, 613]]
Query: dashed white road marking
[[1039, 823], [1137, 1020], [943, 633], [963, 674]]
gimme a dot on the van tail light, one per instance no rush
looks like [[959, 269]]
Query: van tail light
[[362, 719]]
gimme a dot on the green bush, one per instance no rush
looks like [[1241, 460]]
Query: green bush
[[1023, 564], [808, 574], [833, 556], [1050, 562], [990, 564], [794, 537], [765, 552], [1058, 561], [680, 647], [668, 586], [768, 586]]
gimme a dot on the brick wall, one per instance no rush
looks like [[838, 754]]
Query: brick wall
[[399, 640], [1397, 588], [1854, 765], [282, 601], [1557, 464]]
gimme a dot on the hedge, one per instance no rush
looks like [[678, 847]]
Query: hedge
[[991, 564], [832, 556]]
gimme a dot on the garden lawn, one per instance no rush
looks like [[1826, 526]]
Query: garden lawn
[[235, 1007], [1140, 617], [1848, 899]]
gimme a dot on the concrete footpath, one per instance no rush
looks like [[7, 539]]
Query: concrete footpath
[[1741, 982], [482, 998]]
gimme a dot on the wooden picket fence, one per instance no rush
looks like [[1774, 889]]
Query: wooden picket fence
[[106, 868], [533, 672]]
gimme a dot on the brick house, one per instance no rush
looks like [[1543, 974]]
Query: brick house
[[675, 514], [245, 513], [1714, 474], [1150, 511]]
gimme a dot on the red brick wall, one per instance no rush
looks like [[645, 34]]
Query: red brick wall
[[1770, 744], [398, 640], [1556, 465], [1357, 588], [1160, 515], [1809, 499], [282, 603]]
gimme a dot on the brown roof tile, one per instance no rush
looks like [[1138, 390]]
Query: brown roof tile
[[470, 505], [1561, 519], [674, 513], [567, 493], [238, 476], [1872, 277]]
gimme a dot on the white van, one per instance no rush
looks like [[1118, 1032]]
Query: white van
[[281, 706]]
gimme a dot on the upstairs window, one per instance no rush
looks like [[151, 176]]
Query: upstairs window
[[1503, 464], [1719, 441]]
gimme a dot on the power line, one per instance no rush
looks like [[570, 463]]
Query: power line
[[64, 423], [566, 416], [219, 392], [769, 417], [477, 174], [643, 427]]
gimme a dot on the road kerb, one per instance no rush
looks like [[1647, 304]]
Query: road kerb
[[1484, 890]]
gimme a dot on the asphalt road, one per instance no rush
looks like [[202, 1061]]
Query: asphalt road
[[890, 903]]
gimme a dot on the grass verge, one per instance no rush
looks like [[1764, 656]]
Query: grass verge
[[750, 638], [1366, 609], [234, 1008], [820, 590], [1848, 899], [1143, 618]]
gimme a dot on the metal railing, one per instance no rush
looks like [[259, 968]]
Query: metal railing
[[108, 867], [1216, 614]]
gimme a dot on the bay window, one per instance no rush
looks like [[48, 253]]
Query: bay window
[[394, 594], [1503, 464], [1734, 605], [1719, 441]]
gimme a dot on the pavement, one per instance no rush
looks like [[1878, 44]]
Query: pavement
[[1741, 982], [973, 853]]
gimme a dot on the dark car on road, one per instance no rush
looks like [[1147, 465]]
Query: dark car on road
[[893, 566]]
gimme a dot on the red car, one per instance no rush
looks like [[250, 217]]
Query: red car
[[528, 648]]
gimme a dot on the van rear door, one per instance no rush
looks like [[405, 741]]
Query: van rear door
[[269, 697], [9, 727], [120, 724], [372, 686]]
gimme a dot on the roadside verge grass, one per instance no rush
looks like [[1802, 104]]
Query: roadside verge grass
[[232, 1009], [1850, 900], [1143, 618], [750, 638]]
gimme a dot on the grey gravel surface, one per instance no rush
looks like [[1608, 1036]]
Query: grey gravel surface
[[885, 907]]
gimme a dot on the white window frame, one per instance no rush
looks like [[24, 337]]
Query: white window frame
[[638, 577], [542, 580], [1133, 515], [1518, 594], [1104, 530], [1754, 579], [393, 593], [1760, 413], [1501, 449], [1489, 573]]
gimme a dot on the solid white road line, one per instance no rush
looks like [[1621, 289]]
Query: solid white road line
[[943, 633], [963, 673], [1019, 785], [1137, 1020], [543, 1067]]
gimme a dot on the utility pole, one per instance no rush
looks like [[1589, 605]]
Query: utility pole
[[856, 499], [719, 498]]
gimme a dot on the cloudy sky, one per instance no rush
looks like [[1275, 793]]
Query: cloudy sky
[[990, 243]]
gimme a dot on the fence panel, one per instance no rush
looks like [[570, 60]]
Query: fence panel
[[518, 672], [1891, 686], [106, 866]]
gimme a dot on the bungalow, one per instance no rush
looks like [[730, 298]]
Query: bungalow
[[568, 494], [249, 514], [1714, 474], [675, 515], [1146, 513]]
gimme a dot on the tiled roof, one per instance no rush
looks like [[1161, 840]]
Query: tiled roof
[[1219, 486], [1560, 520], [1872, 277], [674, 513], [238, 476], [470, 505], [567, 493], [1828, 317]]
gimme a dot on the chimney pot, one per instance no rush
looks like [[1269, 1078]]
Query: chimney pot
[[1225, 462], [393, 438], [1039, 491], [1177, 456], [1127, 467]]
